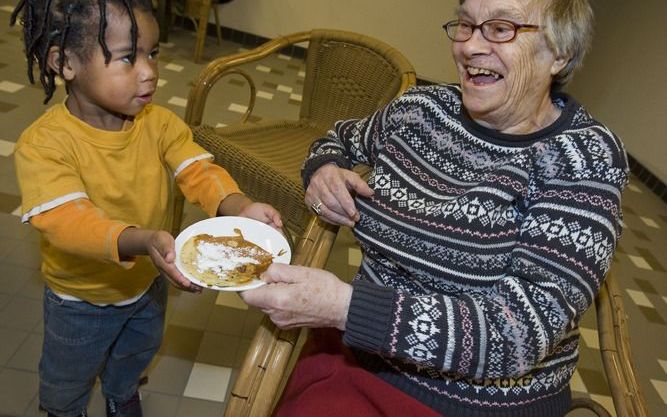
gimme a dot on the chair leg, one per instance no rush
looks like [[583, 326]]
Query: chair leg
[[218, 31], [201, 29]]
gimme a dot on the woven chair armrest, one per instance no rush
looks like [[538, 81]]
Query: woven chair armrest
[[229, 64], [266, 364], [616, 353]]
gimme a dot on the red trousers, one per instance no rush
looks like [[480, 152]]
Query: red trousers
[[328, 382]]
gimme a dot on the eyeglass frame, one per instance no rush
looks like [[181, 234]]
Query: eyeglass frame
[[517, 27]]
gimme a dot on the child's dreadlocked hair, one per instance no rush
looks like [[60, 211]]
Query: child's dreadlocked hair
[[69, 24]]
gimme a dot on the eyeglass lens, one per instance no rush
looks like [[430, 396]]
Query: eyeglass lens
[[492, 30]]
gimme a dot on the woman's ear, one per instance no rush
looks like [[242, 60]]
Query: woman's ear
[[559, 63], [53, 61]]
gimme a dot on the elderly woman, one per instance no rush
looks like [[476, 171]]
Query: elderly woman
[[487, 226]]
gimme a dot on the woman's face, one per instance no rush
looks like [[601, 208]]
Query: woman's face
[[511, 93]]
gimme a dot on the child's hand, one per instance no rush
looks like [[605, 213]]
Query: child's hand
[[264, 213], [161, 249], [240, 205]]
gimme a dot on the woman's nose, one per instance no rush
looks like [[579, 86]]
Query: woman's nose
[[477, 44]]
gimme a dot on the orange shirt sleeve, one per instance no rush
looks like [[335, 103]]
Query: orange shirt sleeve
[[206, 184], [81, 228]]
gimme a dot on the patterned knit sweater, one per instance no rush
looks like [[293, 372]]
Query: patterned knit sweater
[[481, 250]]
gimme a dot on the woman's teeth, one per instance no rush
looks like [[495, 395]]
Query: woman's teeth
[[473, 71]]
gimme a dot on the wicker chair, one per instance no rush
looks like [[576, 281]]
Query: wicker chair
[[347, 75], [617, 362], [273, 352]]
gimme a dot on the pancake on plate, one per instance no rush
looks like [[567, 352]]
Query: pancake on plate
[[224, 261]]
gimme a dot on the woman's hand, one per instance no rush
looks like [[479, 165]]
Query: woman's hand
[[333, 186], [297, 296]]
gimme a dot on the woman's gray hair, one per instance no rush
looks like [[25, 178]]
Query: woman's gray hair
[[568, 27]]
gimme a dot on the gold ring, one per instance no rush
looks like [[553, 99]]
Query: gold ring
[[316, 208]]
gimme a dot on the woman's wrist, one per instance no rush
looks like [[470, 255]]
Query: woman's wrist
[[343, 305]]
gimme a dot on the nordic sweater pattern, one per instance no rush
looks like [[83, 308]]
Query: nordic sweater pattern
[[481, 250]]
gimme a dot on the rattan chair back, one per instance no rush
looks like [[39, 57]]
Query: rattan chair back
[[347, 75]]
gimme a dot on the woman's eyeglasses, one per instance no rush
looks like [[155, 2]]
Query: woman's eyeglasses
[[494, 30]]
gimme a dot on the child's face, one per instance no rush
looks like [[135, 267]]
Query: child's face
[[103, 95]]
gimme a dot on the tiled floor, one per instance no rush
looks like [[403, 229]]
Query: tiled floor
[[207, 335]]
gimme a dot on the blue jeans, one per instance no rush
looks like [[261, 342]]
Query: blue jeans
[[83, 341]]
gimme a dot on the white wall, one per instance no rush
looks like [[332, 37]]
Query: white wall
[[622, 83], [414, 27]]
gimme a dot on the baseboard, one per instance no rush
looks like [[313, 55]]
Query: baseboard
[[647, 178], [250, 40]]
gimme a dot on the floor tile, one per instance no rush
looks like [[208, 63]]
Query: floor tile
[[9, 202], [10, 87], [218, 349], [168, 375], [11, 340], [193, 310], [230, 299], [226, 320], [661, 389], [208, 382], [590, 337], [21, 313], [193, 407], [577, 384], [606, 402], [663, 365], [155, 404], [181, 342], [17, 390], [639, 298], [178, 101], [6, 147], [639, 262], [27, 356]]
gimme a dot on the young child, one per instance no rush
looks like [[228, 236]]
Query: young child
[[96, 177]]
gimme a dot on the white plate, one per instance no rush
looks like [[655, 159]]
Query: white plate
[[253, 231]]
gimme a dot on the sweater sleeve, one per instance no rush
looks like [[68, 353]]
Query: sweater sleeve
[[564, 247], [355, 141], [79, 227], [206, 184]]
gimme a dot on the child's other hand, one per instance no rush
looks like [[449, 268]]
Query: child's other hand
[[161, 249], [264, 213]]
